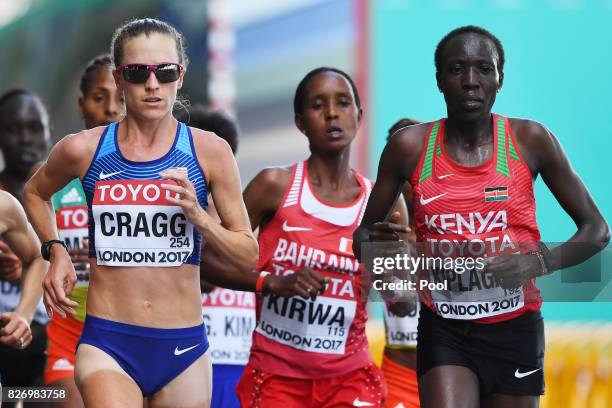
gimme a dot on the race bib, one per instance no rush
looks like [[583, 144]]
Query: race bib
[[229, 317], [320, 326], [471, 292], [72, 225], [135, 225], [401, 331], [72, 228]]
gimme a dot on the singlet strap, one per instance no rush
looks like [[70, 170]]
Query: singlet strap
[[426, 169], [504, 154], [293, 196], [368, 189], [513, 152], [107, 144], [183, 142]]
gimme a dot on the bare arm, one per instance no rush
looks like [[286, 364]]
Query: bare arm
[[400, 216], [20, 235], [231, 239], [68, 160], [262, 197], [399, 159], [544, 155], [593, 232]]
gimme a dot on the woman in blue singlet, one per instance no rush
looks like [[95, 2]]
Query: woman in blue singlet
[[146, 180]]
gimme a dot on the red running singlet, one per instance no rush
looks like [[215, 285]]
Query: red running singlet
[[470, 212], [302, 338]]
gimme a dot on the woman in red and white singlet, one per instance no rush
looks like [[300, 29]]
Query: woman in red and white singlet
[[309, 346], [481, 339]]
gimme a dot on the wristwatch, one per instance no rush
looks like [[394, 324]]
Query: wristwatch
[[45, 248]]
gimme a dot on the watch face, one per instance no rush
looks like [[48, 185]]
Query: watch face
[[45, 249]]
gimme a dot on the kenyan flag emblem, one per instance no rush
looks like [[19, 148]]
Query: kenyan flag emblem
[[496, 193]]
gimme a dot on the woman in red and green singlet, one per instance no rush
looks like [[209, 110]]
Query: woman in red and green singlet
[[480, 340]]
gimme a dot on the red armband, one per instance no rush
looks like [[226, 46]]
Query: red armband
[[260, 281]]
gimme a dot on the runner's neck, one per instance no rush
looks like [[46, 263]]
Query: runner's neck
[[330, 175], [469, 135]]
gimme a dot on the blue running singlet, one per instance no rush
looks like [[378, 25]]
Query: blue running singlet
[[131, 223]]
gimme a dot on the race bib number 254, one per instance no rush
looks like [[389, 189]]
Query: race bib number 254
[[135, 225]]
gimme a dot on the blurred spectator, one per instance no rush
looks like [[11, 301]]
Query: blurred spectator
[[25, 139]]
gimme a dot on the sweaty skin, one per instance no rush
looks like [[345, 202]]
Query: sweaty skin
[[143, 296], [16, 231], [331, 180], [469, 79]]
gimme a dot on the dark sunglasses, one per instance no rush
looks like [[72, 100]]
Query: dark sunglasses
[[139, 73]]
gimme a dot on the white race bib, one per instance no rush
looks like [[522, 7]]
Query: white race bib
[[471, 292], [136, 226], [319, 326], [402, 331], [229, 317]]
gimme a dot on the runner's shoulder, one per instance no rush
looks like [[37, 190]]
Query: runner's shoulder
[[7, 201], [410, 138], [272, 181], [11, 209], [530, 133], [535, 141], [407, 144], [79, 146], [212, 151], [209, 144]]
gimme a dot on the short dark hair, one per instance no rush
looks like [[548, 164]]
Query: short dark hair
[[146, 26], [102, 61], [400, 124], [300, 92], [17, 92], [207, 119], [467, 30]]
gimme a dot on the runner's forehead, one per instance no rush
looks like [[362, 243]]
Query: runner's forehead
[[23, 109], [328, 83], [470, 46], [154, 48]]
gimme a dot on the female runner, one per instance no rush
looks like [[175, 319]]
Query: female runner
[[146, 179]]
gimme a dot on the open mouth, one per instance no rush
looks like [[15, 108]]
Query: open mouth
[[334, 131], [471, 103]]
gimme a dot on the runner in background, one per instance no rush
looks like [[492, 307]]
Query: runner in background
[[229, 315], [309, 347], [100, 104], [16, 231], [399, 357], [25, 138]]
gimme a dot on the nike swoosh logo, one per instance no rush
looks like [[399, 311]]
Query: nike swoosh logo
[[287, 228], [518, 374], [425, 201], [105, 176], [358, 403], [178, 352], [445, 176]]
